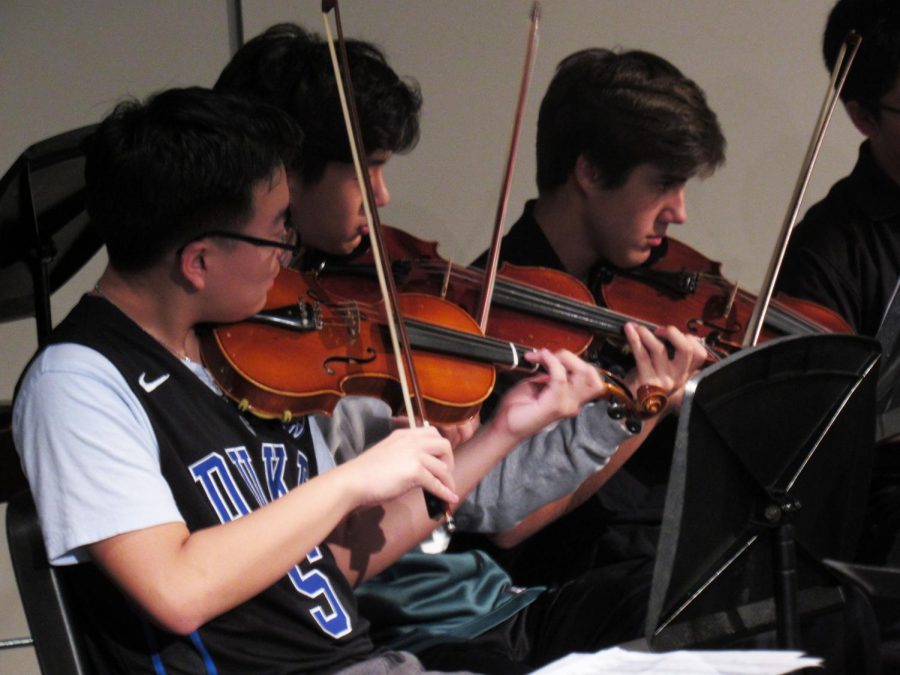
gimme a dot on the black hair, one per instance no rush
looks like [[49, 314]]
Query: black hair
[[877, 64], [291, 68], [160, 173], [620, 110]]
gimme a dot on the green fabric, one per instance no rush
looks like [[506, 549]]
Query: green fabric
[[425, 599]]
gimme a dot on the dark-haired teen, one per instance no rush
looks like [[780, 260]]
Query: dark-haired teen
[[619, 136], [845, 252], [507, 629], [197, 538]]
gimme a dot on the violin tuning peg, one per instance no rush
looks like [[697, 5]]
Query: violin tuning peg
[[616, 409], [633, 425]]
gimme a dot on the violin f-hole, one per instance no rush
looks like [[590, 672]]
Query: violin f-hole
[[352, 360]]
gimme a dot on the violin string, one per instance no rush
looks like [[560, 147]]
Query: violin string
[[787, 319], [491, 350], [518, 295], [783, 317], [557, 305], [547, 303]]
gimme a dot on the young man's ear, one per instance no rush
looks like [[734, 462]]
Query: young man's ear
[[192, 263], [586, 174], [863, 119]]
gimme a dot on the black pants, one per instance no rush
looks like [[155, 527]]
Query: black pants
[[600, 608]]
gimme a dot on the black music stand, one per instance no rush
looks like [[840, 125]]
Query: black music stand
[[770, 475], [43, 226], [888, 391], [45, 240], [879, 581]]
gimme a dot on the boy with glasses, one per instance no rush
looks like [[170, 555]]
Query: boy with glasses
[[195, 537]]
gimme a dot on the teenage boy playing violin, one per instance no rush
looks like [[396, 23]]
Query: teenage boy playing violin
[[291, 68], [619, 136], [196, 538]]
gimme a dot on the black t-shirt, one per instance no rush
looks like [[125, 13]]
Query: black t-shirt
[[845, 253]]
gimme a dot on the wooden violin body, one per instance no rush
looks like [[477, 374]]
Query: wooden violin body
[[306, 350], [302, 354], [682, 288], [686, 289]]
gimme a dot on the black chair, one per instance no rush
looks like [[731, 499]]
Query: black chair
[[48, 608], [11, 482]]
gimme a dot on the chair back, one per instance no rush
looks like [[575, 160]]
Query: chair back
[[48, 609]]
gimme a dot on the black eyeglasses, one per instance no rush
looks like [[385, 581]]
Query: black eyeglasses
[[294, 248], [256, 241]]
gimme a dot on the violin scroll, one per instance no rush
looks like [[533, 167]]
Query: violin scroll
[[651, 399]]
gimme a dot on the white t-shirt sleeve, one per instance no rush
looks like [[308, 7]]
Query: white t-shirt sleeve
[[89, 452]]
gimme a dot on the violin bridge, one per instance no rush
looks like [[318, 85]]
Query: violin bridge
[[445, 285], [317, 315], [353, 321], [729, 305]]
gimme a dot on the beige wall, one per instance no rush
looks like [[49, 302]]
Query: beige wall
[[758, 60], [64, 64]]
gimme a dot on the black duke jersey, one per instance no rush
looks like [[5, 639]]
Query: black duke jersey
[[220, 466]]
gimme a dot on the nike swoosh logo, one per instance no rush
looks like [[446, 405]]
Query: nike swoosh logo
[[149, 387]]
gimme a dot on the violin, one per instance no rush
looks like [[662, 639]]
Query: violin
[[685, 288], [305, 351], [532, 305], [551, 308], [302, 353]]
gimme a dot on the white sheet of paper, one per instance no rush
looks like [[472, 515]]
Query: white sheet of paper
[[732, 662]]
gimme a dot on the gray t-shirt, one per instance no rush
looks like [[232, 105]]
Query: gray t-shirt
[[547, 466]]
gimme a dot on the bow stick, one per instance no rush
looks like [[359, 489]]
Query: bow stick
[[835, 85], [490, 270], [396, 327]]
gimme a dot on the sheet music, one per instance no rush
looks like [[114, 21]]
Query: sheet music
[[731, 662]]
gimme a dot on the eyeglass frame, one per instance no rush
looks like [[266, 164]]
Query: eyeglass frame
[[246, 238]]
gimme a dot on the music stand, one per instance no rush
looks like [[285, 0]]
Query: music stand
[[46, 239], [43, 227], [879, 581], [887, 396], [769, 476]]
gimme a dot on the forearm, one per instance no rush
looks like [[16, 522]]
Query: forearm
[[553, 510], [557, 392], [543, 468], [184, 579], [380, 535]]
